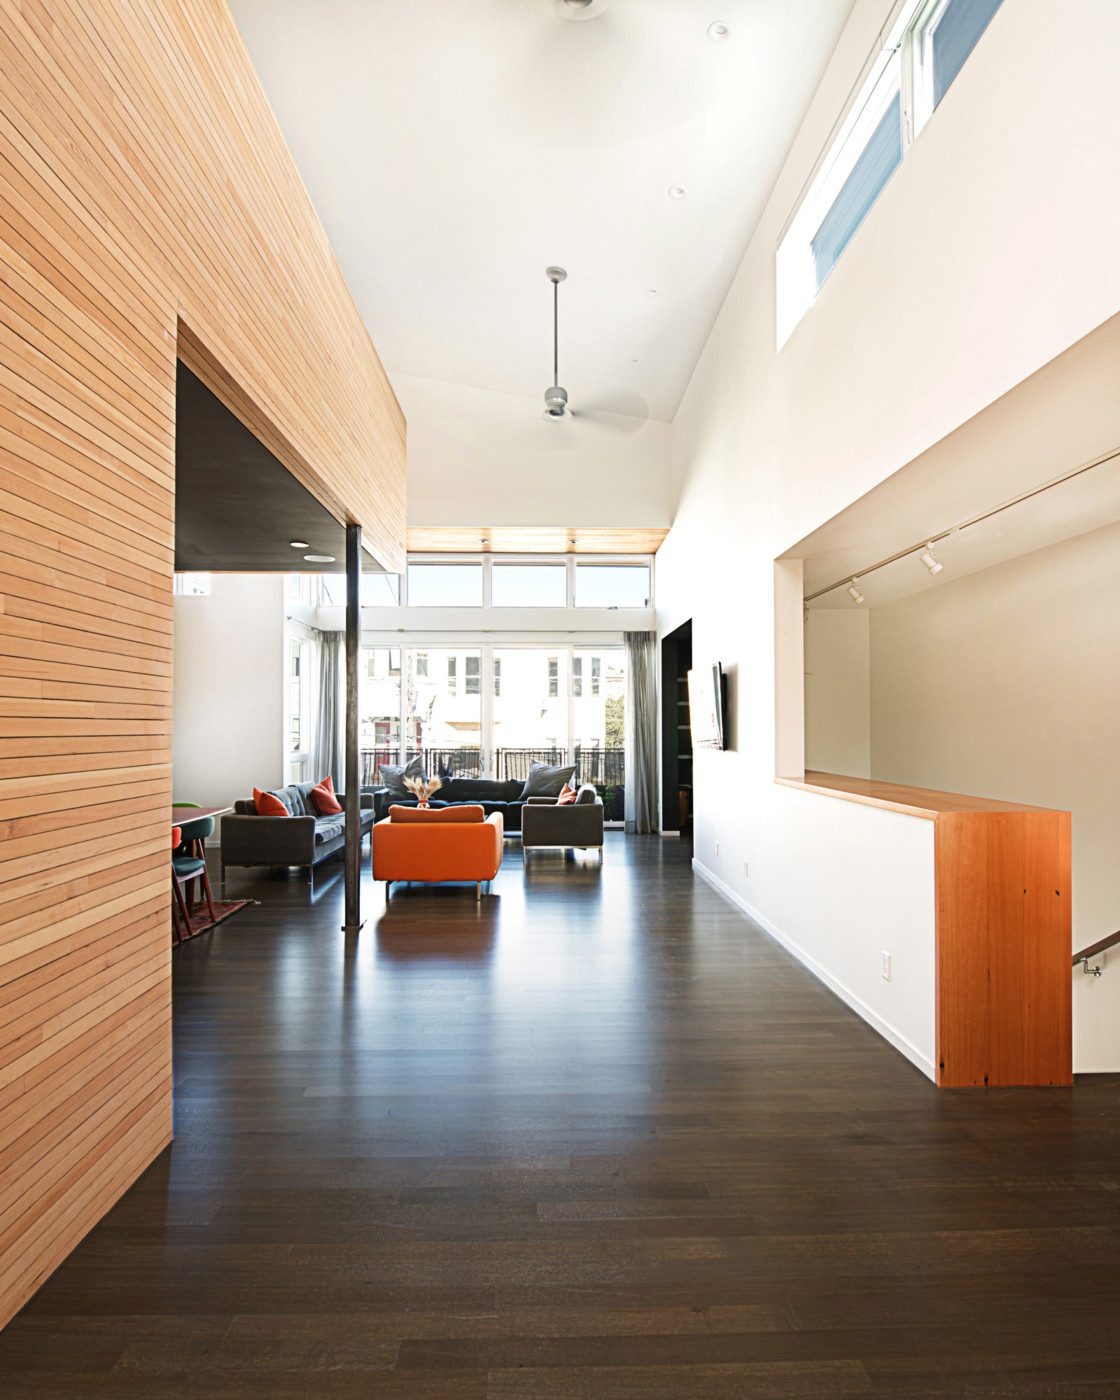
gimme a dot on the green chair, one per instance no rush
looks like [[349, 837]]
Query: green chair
[[188, 864]]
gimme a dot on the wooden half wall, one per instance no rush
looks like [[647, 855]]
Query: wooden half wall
[[148, 208]]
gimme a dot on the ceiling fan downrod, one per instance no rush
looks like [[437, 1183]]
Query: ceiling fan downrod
[[555, 397]]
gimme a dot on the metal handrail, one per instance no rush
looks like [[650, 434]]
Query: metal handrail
[[1101, 946]]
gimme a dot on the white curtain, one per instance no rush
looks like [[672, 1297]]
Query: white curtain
[[326, 751], [641, 732]]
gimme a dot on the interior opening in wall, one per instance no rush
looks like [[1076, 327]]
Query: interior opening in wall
[[981, 656], [676, 731], [251, 668]]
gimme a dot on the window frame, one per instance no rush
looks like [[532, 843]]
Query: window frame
[[463, 561], [494, 562], [595, 561], [902, 38], [489, 562]]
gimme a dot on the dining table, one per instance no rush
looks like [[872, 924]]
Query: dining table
[[179, 815]]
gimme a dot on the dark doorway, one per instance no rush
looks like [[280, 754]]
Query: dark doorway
[[676, 732]]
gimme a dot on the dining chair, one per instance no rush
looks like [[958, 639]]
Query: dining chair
[[188, 864]]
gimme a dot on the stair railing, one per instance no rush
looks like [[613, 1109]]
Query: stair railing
[[1086, 955]]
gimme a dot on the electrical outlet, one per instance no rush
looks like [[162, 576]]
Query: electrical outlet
[[885, 965], [746, 869]]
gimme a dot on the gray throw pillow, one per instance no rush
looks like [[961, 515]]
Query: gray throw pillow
[[393, 776], [546, 780]]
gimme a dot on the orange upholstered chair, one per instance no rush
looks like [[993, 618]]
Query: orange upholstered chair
[[438, 843]]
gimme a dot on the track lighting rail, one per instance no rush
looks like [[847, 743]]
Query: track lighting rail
[[925, 545]]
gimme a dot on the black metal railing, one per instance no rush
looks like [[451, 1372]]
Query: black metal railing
[[606, 770], [515, 763], [449, 763]]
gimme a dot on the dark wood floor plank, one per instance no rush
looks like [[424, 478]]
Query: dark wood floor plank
[[595, 1137]]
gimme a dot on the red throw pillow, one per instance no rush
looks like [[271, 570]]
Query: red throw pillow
[[268, 804], [322, 795], [567, 796]]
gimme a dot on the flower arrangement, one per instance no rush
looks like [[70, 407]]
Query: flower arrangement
[[423, 789]]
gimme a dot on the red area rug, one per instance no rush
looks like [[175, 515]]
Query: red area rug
[[223, 909]]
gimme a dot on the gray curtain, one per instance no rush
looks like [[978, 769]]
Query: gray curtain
[[641, 727], [326, 750]]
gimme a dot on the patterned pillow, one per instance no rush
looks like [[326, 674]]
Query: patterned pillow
[[393, 776], [567, 796]]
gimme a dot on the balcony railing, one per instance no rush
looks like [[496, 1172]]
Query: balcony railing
[[602, 767]]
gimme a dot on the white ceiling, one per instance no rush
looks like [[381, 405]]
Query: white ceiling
[[455, 148], [1063, 417]]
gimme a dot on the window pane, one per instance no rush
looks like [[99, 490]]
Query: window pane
[[954, 35], [295, 697], [612, 586], [530, 586], [192, 585], [859, 191], [530, 709], [445, 711], [445, 585], [379, 709], [377, 590], [599, 725]]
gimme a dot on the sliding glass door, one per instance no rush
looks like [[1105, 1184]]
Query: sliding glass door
[[471, 711]]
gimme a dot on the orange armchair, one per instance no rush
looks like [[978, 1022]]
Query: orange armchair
[[439, 843]]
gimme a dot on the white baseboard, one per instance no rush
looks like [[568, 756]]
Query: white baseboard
[[873, 1019]]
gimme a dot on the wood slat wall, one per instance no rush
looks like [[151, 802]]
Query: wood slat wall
[[148, 208]]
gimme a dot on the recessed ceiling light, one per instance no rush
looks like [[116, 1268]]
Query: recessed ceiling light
[[319, 558], [676, 192], [299, 544], [718, 31]]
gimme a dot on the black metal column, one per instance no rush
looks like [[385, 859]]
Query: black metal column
[[353, 758]]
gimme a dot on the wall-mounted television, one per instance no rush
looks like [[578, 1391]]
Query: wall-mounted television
[[707, 697]]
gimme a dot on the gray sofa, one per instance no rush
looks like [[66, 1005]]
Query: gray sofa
[[304, 838], [578, 825]]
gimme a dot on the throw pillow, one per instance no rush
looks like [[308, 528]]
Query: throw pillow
[[268, 804], [393, 776], [436, 816], [323, 798], [547, 780], [567, 796]]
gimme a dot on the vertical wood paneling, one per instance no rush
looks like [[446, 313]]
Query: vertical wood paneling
[[148, 208], [1004, 928]]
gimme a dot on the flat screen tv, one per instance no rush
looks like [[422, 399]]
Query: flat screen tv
[[706, 701]]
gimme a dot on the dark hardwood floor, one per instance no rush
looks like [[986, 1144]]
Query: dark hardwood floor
[[596, 1137]]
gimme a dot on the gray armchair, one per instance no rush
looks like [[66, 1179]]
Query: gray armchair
[[578, 825]]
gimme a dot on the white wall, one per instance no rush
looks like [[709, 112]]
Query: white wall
[[838, 692], [992, 249], [228, 716], [1007, 683], [477, 457]]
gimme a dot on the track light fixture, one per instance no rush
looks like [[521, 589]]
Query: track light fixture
[[853, 592], [930, 560]]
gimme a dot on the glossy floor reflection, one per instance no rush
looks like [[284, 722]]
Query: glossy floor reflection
[[595, 1136]]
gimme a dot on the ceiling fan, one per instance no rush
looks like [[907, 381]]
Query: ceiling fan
[[626, 417]]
